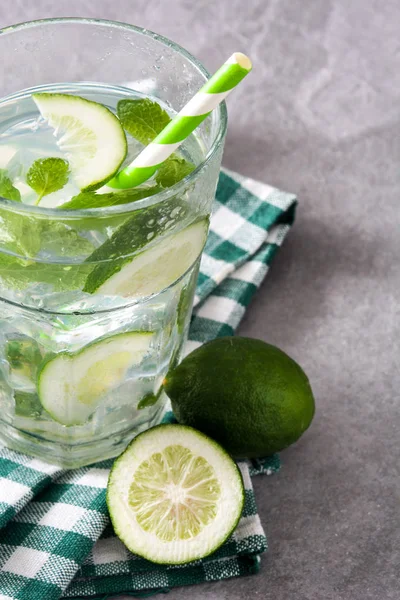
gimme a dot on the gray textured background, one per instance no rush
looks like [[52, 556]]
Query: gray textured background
[[320, 117]]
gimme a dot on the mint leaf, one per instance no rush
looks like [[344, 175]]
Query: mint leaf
[[22, 353], [27, 236], [23, 237], [27, 405], [19, 274], [19, 233], [143, 119], [61, 277], [47, 175], [173, 170], [61, 239], [7, 190], [24, 358], [93, 200], [148, 400]]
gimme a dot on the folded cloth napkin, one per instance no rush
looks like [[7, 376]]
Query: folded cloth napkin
[[55, 537]]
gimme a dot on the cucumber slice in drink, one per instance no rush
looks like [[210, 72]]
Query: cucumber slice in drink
[[174, 495], [152, 270], [89, 134], [71, 386]]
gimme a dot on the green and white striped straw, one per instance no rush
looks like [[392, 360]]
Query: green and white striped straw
[[192, 114]]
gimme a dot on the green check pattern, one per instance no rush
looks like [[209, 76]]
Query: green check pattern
[[55, 536]]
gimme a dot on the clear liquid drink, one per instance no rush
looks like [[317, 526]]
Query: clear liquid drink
[[94, 302]]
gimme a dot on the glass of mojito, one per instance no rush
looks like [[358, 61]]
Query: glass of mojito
[[96, 284]]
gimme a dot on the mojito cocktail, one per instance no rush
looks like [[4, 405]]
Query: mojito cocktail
[[96, 284]]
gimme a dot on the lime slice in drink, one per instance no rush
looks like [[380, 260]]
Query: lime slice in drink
[[89, 134], [71, 386], [174, 495], [150, 271]]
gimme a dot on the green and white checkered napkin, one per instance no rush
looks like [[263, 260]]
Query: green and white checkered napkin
[[55, 536]]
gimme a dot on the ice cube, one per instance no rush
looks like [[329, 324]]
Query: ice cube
[[28, 195], [6, 154], [146, 86], [57, 198]]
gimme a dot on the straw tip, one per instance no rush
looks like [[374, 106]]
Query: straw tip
[[242, 60]]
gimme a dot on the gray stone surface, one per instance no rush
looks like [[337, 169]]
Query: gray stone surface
[[320, 116]]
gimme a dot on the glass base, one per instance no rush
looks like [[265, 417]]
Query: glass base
[[74, 455]]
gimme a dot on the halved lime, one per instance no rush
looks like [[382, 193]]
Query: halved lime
[[174, 495], [71, 386], [89, 134]]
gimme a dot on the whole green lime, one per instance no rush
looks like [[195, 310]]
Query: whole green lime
[[248, 395]]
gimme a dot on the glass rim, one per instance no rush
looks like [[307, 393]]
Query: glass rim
[[130, 207]]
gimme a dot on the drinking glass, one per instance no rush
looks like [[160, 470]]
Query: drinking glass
[[51, 327]]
